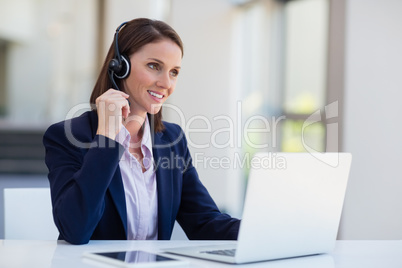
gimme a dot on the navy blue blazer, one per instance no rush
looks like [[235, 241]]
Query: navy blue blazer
[[87, 190]]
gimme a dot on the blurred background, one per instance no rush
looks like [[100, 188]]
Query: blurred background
[[257, 75]]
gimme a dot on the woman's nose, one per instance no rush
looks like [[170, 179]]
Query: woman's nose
[[164, 81]]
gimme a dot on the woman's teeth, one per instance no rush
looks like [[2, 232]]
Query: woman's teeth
[[159, 96]]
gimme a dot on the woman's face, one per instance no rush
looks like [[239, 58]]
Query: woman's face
[[153, 76]]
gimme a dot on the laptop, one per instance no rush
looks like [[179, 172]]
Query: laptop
[[292, 208]]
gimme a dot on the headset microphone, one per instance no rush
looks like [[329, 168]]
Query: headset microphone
[[119, 67]]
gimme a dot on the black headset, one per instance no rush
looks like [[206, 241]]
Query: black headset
[[119, 66]]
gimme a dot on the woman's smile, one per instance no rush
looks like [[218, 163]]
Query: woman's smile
[[156, 96]]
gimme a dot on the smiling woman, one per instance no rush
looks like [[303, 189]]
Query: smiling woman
[[133, 37], [112, 189]]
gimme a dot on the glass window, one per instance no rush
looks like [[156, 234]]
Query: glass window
[[304, 73], [296, 136]]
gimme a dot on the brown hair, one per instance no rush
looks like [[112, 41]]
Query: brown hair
[[132, 37]]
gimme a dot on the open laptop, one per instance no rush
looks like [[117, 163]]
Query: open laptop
[[292, 208]]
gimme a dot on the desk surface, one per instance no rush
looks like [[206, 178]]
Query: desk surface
[[21, 253]]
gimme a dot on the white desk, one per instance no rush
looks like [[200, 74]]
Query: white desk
[[57, 254]]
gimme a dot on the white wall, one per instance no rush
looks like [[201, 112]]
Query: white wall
[[17, 23], [119, 11], [208, 90], [51, 57], [373, 129]]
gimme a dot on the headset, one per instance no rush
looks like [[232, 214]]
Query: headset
[[119, 66]]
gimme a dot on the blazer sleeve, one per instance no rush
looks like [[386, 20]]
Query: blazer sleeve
[[79, 178], [198, 214]]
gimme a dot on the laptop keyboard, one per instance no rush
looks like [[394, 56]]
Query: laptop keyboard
[[224, 252]]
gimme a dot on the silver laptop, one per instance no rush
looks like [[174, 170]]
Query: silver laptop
[[292, 208]]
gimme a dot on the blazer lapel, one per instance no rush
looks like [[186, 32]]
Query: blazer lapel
[[116, 188], [161, 153]]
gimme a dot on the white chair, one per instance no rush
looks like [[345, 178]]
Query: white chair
[[28, 214]]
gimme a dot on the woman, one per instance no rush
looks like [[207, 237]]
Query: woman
[[119, 172]]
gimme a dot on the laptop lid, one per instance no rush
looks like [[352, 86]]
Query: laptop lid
[[292, 208], [293, 205]]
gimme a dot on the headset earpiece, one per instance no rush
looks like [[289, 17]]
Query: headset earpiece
[[119, 66], [124, 68], [114, 66]]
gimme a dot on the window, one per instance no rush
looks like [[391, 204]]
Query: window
[[286, 64], [304, 87]]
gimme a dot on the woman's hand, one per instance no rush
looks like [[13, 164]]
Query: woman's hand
[[112, 107]]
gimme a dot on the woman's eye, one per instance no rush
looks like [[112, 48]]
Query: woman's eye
[[153, 66], [174, 73]]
